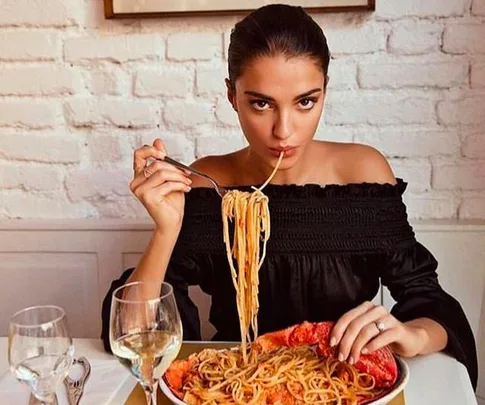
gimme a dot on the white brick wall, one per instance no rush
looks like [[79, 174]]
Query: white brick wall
[[473, 206], [461, 38], [225, 113], [106, 80], [34, 114], [78, 93], [379, 108], [188, 113], [40, 147], [478, 75], [89, 184], [194, 46], [30, 176], [458, 174], [410, 37], [437, 205], [466, 109], [342, 74], [478, 7], [87, 112], [39, 81], [171, 81], [208, 79], [114, 48], [417, 169], [103, 148], [401, 142], [345, 40], [29, 45], [473, 145], [59, 13], [377, 75], [416, 8]]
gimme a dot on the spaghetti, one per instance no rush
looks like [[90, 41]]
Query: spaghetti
[[250, 214], [284, 376]]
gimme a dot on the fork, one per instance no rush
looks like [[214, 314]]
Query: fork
[[219, 189], [75, 388]]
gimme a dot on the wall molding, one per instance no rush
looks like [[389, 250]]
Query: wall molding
[[444, 225]]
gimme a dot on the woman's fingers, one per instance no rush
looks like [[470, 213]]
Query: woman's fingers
[[355, 327], [158, 144], [342, 324], [368, 334], [156, 173], [159, 178], [157, 194], [383, 339], [146, 152]]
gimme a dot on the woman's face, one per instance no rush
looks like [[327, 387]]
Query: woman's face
[[279, 102]]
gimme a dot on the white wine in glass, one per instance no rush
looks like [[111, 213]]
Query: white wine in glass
[[40, 349], [145, 331]]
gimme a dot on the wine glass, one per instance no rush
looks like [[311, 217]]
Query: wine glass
[[40, 349], [145, 331]]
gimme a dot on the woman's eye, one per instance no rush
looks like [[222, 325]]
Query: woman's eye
[[260, 105], [307, 103]]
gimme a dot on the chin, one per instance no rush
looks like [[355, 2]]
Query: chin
[[286, 163]]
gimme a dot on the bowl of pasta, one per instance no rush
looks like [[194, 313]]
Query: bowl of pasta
[[293, 366]]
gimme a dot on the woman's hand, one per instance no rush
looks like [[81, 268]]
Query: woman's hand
[[159, 186], [367, 328]]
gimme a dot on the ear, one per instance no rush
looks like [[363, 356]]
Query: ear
[[231, 94]]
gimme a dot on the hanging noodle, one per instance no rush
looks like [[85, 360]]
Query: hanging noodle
[[250, 214]]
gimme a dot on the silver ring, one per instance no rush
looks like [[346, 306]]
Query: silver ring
[[380, 326], [147, 173]]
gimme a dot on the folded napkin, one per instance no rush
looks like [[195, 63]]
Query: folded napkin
[[107, 381]]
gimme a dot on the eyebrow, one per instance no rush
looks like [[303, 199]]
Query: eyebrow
[[265, 97]]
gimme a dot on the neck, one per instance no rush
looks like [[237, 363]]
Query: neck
[[260, 169]]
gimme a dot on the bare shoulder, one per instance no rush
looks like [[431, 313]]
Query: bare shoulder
[[358, 163], [219, 167]]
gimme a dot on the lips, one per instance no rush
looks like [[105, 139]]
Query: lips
[[289, 151]]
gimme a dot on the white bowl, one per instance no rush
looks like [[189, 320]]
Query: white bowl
[[402, 380]]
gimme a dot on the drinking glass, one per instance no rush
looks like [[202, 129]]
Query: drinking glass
[[145, 331], [40, 349]]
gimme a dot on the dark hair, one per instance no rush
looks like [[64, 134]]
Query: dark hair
[[276, 29]]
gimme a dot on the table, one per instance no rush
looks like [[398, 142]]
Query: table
[[434, 379]]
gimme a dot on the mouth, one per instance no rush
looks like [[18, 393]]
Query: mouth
[[289, 151]]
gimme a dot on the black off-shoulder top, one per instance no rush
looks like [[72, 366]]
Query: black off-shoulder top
[[330, 248]]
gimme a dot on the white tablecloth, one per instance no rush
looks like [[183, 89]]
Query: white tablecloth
[[435, 379]]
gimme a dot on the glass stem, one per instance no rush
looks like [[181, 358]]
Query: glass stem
[[151, 394], [48, 401]]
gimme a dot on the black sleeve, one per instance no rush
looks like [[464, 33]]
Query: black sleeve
[[106, 308], [410, 274], [183, 270]]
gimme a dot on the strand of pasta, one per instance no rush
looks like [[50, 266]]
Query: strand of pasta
[[249, 211]]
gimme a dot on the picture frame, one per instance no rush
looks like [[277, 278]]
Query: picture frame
[[169, 8]]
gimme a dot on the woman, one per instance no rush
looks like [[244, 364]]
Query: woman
[[338, 221]]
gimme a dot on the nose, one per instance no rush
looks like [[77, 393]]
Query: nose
[[283, 127]]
